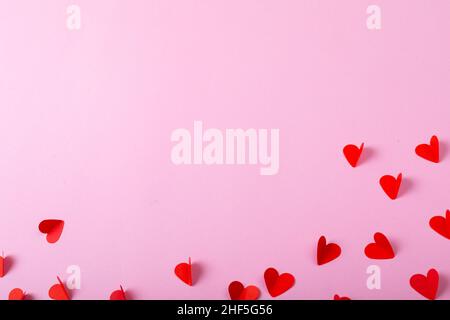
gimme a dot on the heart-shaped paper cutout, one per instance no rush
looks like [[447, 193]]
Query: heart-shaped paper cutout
[[53, 228], [427, 285], [327, 252], [430, 151], [278, 284], [237, 291], [381, 249], [118, 295], [16, 294], [2, 266], [391, 185], [441, 224], [58, 291], [337, 297], [352, 153], [184, 272]]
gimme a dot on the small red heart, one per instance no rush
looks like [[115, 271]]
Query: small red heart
[[53, 229], [426, 285], [430, 151], [184, 272], [337, 297], [2, 266], [237, 291], [327, 252], [391, 185], [16, 294], [278, 284], [381, 249], [352, 153], [441, 225], [58, 291], [118, 295]]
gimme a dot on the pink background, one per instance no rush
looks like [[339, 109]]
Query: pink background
[[86, 118]]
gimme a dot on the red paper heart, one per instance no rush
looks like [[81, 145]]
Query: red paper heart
[[427, 285], [327, 252], [58, 291], [16, 294], [337, 297], [237, 291], [381, 249], [352, 153], [53, 229], [441, 225], [2, 266], [118, 295], [391, 185], [278, 284], [184, 272], [430, 151]]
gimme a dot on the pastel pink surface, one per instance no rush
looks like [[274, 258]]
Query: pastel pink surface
[[85, 123]]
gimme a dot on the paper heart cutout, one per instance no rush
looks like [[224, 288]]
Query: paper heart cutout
[[352, 153], [184, 272], [53, 228], [276, 283], [2, 266], [327, 252], [118, 295], [441, 224], [427, 285], [391, 185], [381, 249], [58, 291], [16, 294], [237, 291], [430, 151], [337, 297]]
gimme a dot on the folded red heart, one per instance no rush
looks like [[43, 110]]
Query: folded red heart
[[278, 284], [184, 272], [391, 185], [58, 291], [118, 295], [237, 291], [2, 266], [53, 228], [427, 285], [441, 224], [16, 294], [380, 249], [337, 297], [430, 151], [327, 252], [352, 153]]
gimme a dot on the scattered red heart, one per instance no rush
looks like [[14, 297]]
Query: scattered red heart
[[16, 294], [430, 151], [184, 272], [352, 153], [427, 285], [327, 252], [337, 297], [2, 266], [53, 229], [58, 291], [380, 249], [391, 185], [441, 224], [118, 295], [237, 291], [276, 283]]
